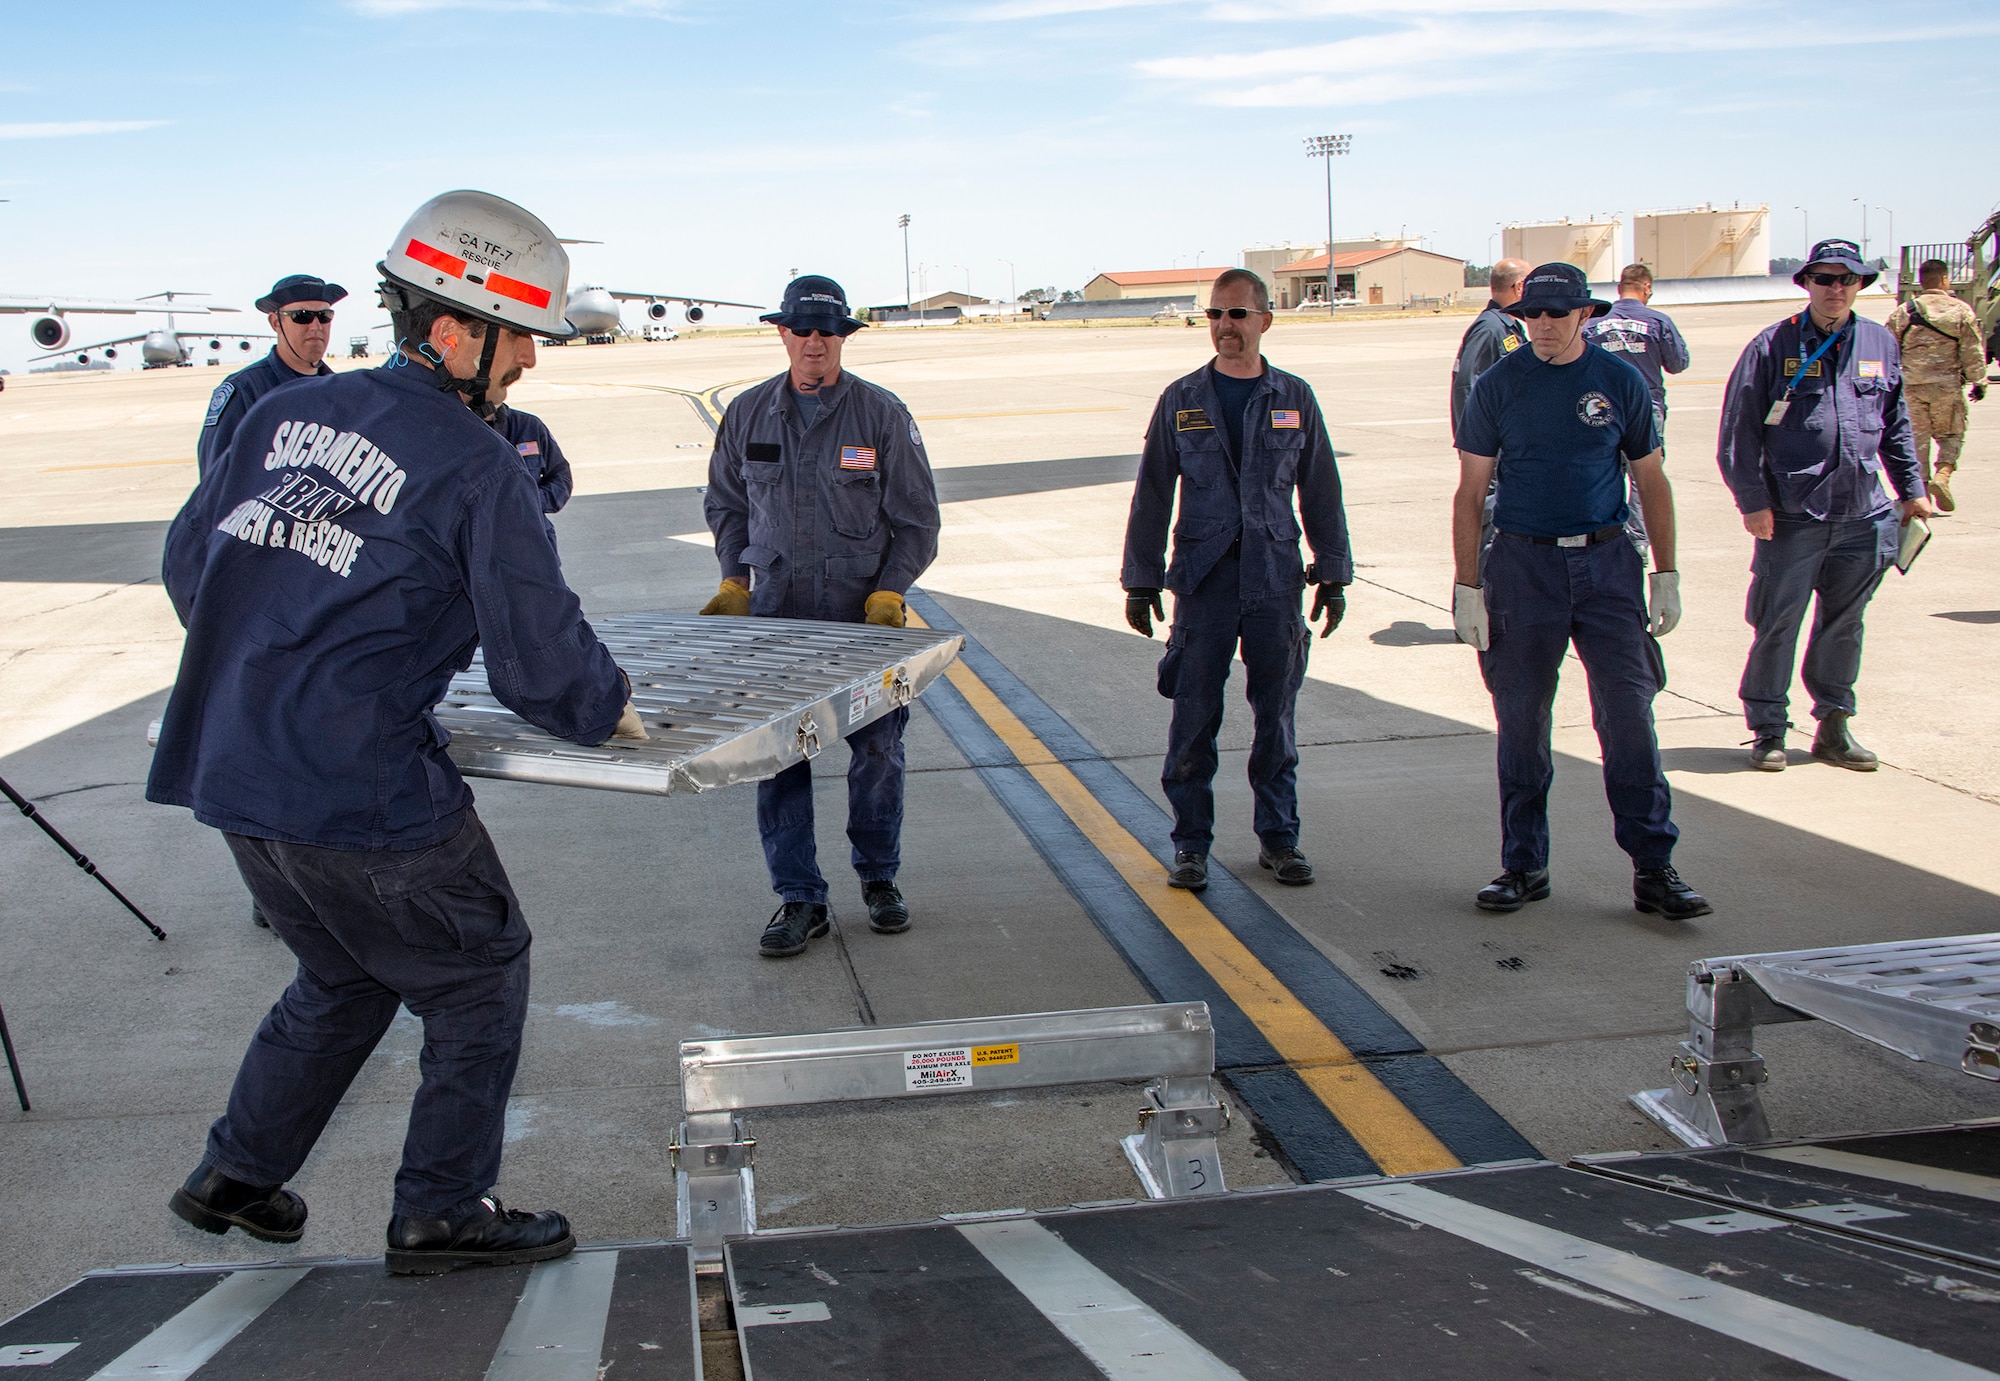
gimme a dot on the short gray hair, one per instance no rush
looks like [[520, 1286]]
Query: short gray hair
[[1229, 278]]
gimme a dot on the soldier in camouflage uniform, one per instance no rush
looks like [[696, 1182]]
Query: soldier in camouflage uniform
[[1942, 352]]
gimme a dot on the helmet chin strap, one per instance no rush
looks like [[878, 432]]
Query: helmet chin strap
[[474, 388]]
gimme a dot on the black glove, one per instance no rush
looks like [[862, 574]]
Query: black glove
[[1978, 393], [1329, 599], [1142, 606]]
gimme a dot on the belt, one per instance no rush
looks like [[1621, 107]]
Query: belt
[[1582, 539]]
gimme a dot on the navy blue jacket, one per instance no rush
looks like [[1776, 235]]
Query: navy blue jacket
[[1222, 499], [1647, 340], [341, 560], [825, 515], [235, 396], [1492, 336], [1845, 426], [540, 456]]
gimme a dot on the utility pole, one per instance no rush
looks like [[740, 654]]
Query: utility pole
[[1864, 227], [1805, 227], [1329, 147], [903, 221]]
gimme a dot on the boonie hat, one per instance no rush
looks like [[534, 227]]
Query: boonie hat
[[300, 287], [1557, 287], [1843, 254], [814, 303]]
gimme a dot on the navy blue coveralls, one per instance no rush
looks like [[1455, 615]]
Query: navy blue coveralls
[[1819, 470], [1236, 577], [1555, 575], [540, 457], [233, 399], [338, 563], [821, 516]]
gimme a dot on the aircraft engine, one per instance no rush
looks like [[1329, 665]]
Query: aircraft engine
[[215, 345], [50, 332], [110, 352], [694, 313], [242, 345]]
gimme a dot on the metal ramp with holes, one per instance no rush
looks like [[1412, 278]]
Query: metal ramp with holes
[[725, 701], [1858, 1257], [1932, 1000]]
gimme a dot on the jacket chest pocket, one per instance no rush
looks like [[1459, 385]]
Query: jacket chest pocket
[[854, 504], [1871, 401], [1283, 449], [1204, 463], [1811, 409], [763, 493]]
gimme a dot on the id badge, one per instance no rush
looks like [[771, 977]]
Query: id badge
[[1777, 412]]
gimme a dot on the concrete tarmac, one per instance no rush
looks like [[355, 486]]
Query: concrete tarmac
[[646, 911]]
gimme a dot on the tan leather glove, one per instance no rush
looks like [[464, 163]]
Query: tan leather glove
[[884, 607], [629, 724], [731, 599]]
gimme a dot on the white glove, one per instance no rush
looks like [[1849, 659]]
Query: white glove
[[1468, 615], [629, 724], [1664, 602]]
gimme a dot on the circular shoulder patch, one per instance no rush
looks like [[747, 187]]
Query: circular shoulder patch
[[217, 401], [916, 437], [1594, 409]]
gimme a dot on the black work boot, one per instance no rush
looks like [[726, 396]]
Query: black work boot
[[1767, 752], [213, 1202], [888, 913], [1190, 872], [1834, 744], [1513, 890], [484, 1235], [1660, 891], [1287, 865], [791, 925]]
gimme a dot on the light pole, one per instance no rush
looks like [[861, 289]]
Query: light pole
[[1805, 227], [1892, 225], [1864, 227], [1013, 292], [1329, 147], [903, 221]]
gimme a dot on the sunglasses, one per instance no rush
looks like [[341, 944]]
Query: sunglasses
[[808, 335], [1233, 313], [1833, 280], [324, 318], [1537, 313]]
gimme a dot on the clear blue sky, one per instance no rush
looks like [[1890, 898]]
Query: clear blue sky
[[715, 147]]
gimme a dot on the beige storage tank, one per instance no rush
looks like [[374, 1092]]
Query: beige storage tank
[[1591, 245], [1704, 241]]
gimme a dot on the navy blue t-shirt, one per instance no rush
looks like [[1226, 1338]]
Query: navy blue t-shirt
[[1563, 434], [1234, 395]]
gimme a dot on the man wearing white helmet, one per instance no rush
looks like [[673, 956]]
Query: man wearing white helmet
[[341, 559]]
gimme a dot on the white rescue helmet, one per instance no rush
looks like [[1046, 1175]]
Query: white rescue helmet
[[484, 253]]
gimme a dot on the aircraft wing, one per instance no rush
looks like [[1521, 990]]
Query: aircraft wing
[[12, 305], [69, 350], [683, 297]]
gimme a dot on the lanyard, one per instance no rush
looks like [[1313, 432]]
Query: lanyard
[[1808, 361]]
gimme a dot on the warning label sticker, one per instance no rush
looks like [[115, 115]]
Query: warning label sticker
[[996, 1054], [862, 702], [936, 1069]]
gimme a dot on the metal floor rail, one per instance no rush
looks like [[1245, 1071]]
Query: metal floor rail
[[1932, 1000], [725, 701]]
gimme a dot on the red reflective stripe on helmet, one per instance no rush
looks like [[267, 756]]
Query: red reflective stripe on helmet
[[436, 258], [513, 287]]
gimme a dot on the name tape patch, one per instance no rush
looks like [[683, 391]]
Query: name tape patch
[[1812, 370], [1192, 420]]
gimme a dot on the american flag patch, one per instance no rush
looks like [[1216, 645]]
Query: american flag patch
[[857, 457], [530, 448], [1285, 418]]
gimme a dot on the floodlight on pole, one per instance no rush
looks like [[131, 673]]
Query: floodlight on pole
[[1329, 147], [903, 222]]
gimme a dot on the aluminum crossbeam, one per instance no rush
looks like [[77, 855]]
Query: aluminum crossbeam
[[1931, 1000], [1171, 1044], [724, 700]]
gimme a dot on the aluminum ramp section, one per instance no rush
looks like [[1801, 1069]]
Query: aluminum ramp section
[[623, 1311], [1538, 1271], [1931, 1000], [1936, 1191], [724, 700]]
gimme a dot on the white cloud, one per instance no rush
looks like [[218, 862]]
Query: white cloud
[[64, 129]]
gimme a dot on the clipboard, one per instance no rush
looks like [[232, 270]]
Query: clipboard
[[1916, 533]]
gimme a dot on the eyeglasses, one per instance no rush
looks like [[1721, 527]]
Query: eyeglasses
[[1835, 280], [808, 335], [324, 318], [1537, 313], [1233, 313]]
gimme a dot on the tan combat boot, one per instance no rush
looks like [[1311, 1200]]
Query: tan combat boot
[[1940, 487]]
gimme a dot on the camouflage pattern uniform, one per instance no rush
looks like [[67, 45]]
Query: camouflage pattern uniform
[[1939, 360]]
